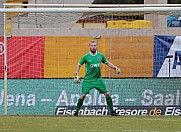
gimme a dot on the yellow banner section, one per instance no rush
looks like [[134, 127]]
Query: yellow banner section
[[62, 54], [133, 55]]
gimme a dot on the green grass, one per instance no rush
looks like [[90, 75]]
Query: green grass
[[44, 123]]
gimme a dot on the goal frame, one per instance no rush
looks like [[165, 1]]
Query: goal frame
[[81, 8]]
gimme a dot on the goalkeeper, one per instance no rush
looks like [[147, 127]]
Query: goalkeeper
[[92, 79]]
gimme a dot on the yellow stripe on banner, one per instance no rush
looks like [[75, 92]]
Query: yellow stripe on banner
[[62, 54], [133, 55]]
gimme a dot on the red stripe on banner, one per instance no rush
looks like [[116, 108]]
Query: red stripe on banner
[[25, 57]]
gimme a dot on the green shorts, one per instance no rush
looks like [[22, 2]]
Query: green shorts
[[99, 84]]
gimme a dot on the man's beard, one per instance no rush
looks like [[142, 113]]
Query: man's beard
[[93, 51]]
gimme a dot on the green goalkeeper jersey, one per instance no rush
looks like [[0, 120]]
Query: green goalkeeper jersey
[[93, 63]]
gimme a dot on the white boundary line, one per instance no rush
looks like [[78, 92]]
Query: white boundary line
[[137, 131], [115, 118], [7, 129]]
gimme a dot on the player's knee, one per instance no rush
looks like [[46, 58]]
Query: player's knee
[[83, 96], [107, 95]]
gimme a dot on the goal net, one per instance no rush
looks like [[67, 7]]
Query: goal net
[[40, 51]]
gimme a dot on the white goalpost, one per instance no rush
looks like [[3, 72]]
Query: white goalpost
[[42, 44]]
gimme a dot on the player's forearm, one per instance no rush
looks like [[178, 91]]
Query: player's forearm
[[114, 67], [77, 68], [76, 76], [110, 65]]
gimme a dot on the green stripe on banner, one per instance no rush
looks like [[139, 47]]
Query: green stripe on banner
[[41, 96]]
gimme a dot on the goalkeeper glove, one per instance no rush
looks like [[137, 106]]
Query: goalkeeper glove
[[117, 70], [76, 78]]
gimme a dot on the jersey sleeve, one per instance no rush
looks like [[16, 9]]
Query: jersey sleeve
[[104, 60], [82, 60]]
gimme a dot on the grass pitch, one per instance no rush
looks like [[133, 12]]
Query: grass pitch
[[45, 123]]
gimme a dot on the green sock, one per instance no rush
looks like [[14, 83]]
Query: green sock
[[79, 104], [109, 103]]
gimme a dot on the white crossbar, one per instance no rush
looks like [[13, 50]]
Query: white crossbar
[[94, 5], [44, 10]]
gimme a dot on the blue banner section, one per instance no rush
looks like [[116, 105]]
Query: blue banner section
[[42, 96], [177, 59], [162, 46]]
